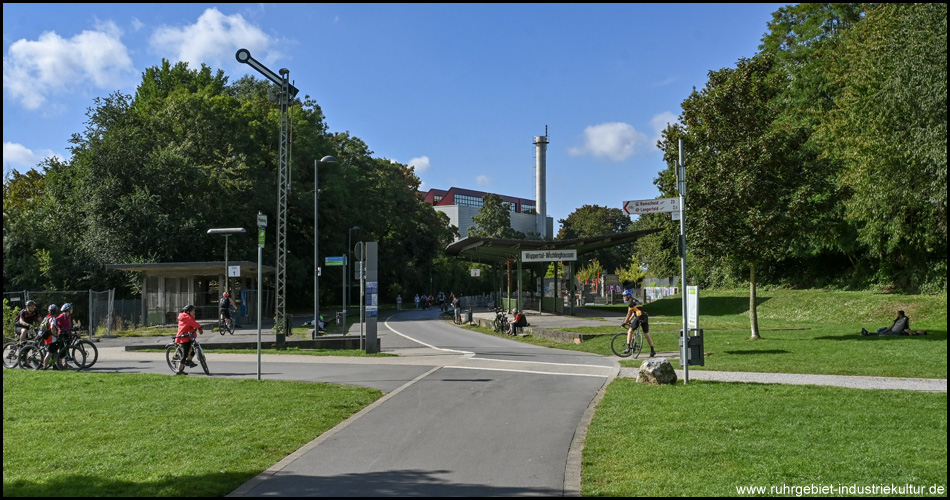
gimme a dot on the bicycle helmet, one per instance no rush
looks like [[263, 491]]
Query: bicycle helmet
[[30, 303], [188, 308], [226, 294], [628, 293], [66, 307], [53, 309]]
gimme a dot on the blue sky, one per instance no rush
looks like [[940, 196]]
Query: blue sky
[[457, 90]]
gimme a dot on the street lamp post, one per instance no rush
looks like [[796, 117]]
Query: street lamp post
[[316, 260], [226, 231], [346, 278]]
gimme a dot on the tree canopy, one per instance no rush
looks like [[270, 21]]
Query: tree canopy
[[188, 152]]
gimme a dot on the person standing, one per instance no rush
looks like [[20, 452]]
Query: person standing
[[399, 302], [50, 330], [457, 307], [417, 301]]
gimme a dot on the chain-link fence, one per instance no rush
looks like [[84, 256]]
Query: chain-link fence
[[92, 310], [102, 314]]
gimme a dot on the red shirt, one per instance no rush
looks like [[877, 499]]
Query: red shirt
[[187, 325]]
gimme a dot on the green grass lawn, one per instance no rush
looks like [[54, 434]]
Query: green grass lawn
[[133, 435], [708, 438], [803, 331]]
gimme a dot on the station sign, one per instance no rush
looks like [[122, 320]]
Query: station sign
[[548, 255]]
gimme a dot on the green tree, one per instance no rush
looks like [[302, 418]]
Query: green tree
[[741, 202], [805, 41], [152, 172], [889, 130], [593, 220], [494, 220]]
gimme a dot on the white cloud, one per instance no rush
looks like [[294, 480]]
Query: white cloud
[[421, 164], [16, 155], [482, 181], [617, 141], [35, 69], [213, 40]]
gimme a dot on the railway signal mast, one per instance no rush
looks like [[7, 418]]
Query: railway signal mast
[[287, 93]]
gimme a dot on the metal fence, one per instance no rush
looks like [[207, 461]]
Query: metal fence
[[92, 310], [102, 314]]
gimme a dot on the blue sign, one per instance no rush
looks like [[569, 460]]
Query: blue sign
[[335, 261], [372, 299]]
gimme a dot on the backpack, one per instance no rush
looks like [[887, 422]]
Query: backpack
[[44, 332]]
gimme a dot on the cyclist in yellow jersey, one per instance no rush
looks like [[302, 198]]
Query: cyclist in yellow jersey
[[636, 316]]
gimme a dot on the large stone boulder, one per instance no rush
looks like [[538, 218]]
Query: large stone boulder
[[657, 371]]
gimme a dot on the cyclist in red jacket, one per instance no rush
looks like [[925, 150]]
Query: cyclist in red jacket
[[188, 329]]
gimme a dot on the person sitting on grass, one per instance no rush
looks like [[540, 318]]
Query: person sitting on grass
[[900, 326]]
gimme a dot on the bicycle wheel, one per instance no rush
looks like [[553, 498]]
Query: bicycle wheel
[[173, 356], [618, 345], [31, 357], [11, 355], [637, 344], [203, 360], [91, 352], [71, 358], [222, 326]]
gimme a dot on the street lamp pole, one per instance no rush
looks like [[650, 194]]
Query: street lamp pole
[[316, 241], [226, 231]]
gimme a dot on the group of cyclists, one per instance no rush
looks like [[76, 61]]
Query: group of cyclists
[[54, 329]]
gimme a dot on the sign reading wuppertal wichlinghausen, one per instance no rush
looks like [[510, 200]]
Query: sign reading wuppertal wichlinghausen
[[548, 255]]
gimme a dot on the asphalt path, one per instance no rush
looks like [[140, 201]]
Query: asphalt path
[[465, 414]]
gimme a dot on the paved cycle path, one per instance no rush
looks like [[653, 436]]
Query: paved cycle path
[[464, 415]]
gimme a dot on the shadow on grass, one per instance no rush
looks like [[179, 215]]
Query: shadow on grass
[[931, 336], [763, 351], [389, 483]]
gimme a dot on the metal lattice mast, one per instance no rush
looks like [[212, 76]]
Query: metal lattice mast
[[283, 189], [287, 93]]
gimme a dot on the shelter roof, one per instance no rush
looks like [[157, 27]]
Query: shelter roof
[[248, 268], [490, 249]]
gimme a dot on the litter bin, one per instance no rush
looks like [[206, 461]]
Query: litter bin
[[468, 316], [694, 345]]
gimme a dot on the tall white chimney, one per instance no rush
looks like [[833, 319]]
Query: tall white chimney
[[541, 144]]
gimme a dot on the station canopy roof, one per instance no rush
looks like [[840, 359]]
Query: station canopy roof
[[169, 269], [494, 249]]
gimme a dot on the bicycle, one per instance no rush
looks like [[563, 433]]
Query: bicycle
[[223, 327], [66, 357], [500, 323], [175, 352], [12, 347], [11, 353], [90, 351], [619, 345]]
